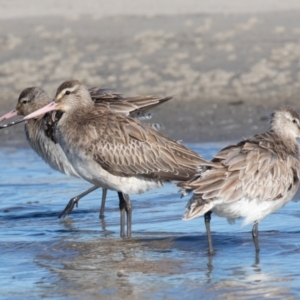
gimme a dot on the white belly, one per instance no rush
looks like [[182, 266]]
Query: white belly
[[252, 210], [92, 172]]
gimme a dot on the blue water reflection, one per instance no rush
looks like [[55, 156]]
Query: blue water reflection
[[82, 256]]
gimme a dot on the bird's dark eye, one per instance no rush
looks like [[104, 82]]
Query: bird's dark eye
[[67, 92], [25, 101], [294, 121]]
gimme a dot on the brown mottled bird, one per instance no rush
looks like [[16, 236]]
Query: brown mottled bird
[[39, 131], [115, 151], [251, 179]]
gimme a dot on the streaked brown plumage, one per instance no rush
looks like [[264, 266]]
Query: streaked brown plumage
[[251, 179], [115, 151], [39, 131]]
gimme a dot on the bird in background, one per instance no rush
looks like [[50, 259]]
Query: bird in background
[[40, 131]]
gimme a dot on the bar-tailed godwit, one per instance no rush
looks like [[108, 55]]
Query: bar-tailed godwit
[[115, 151], [40, 131], [251, 179]]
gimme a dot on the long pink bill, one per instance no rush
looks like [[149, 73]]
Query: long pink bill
[[9, 115], [51, 106]]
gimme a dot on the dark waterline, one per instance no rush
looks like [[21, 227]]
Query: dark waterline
[[82, 256]]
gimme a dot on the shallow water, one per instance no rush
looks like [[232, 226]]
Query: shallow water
[[82, 256]]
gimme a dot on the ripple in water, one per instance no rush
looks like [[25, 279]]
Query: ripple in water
[[82, 256]]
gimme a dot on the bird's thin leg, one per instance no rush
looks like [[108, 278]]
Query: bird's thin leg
[[128, 210], [103, 224], [74, 201], [122, 206], [255, 236], [257, 260], [102, 208], [207, 217]]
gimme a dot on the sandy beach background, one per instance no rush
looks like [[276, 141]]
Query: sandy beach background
[[228, 64]]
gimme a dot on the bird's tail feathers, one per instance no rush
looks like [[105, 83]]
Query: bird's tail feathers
[[196, 207]]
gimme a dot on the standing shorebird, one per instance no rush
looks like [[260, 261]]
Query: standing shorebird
[[114, 151], [251, 179], [39, 132]]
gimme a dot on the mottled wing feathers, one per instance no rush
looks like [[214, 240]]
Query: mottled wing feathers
[[126, 147], [136, 107], [98, 95], [246, 170], [144, 104]]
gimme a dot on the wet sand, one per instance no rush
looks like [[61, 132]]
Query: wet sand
[[227, 67]]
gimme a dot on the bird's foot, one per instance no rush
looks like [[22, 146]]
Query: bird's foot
[[68, 209]]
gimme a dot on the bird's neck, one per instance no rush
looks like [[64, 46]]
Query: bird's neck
[[290, 143]]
